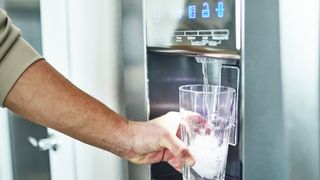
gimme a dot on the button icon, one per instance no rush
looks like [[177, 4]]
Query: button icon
[[205, 10], [192, 11], [220, 9]]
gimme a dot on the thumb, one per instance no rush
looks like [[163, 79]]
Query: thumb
[[178, 149]]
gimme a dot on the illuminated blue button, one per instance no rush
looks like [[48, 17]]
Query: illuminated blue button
[[205, 10], [192, 11], [220, 9]]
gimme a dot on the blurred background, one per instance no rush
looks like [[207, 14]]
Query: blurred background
[[100, 47]]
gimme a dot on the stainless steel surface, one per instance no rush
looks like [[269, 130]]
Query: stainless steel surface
[[134, 72], [263, 134], [171, 25]]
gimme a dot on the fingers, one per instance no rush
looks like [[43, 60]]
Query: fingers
[[170, 122], [178, 149], [193, 118], [172, 160], [194, 122], [175, 163]]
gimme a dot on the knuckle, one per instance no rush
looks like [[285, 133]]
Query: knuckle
[[166, 135], [183, 152]]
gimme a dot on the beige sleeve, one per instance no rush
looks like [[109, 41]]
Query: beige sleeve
[[16, 55]]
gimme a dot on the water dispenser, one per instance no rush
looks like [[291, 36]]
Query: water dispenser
[[192, 42]]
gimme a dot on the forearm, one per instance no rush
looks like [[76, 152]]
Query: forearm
[[45, 97]]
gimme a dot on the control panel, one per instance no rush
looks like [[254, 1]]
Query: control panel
[[197, 25]]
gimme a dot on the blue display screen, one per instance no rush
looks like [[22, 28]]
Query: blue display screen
[[206, 9], [197, 14]]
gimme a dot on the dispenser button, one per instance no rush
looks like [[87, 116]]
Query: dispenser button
[[191, 33], [192, 11], [178, 33]]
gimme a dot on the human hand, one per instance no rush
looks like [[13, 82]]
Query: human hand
[[195, 123], [157, 140]]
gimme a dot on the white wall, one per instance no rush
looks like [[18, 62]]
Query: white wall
[[300, 77]]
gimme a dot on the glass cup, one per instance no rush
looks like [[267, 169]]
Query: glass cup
[[207, 116]]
